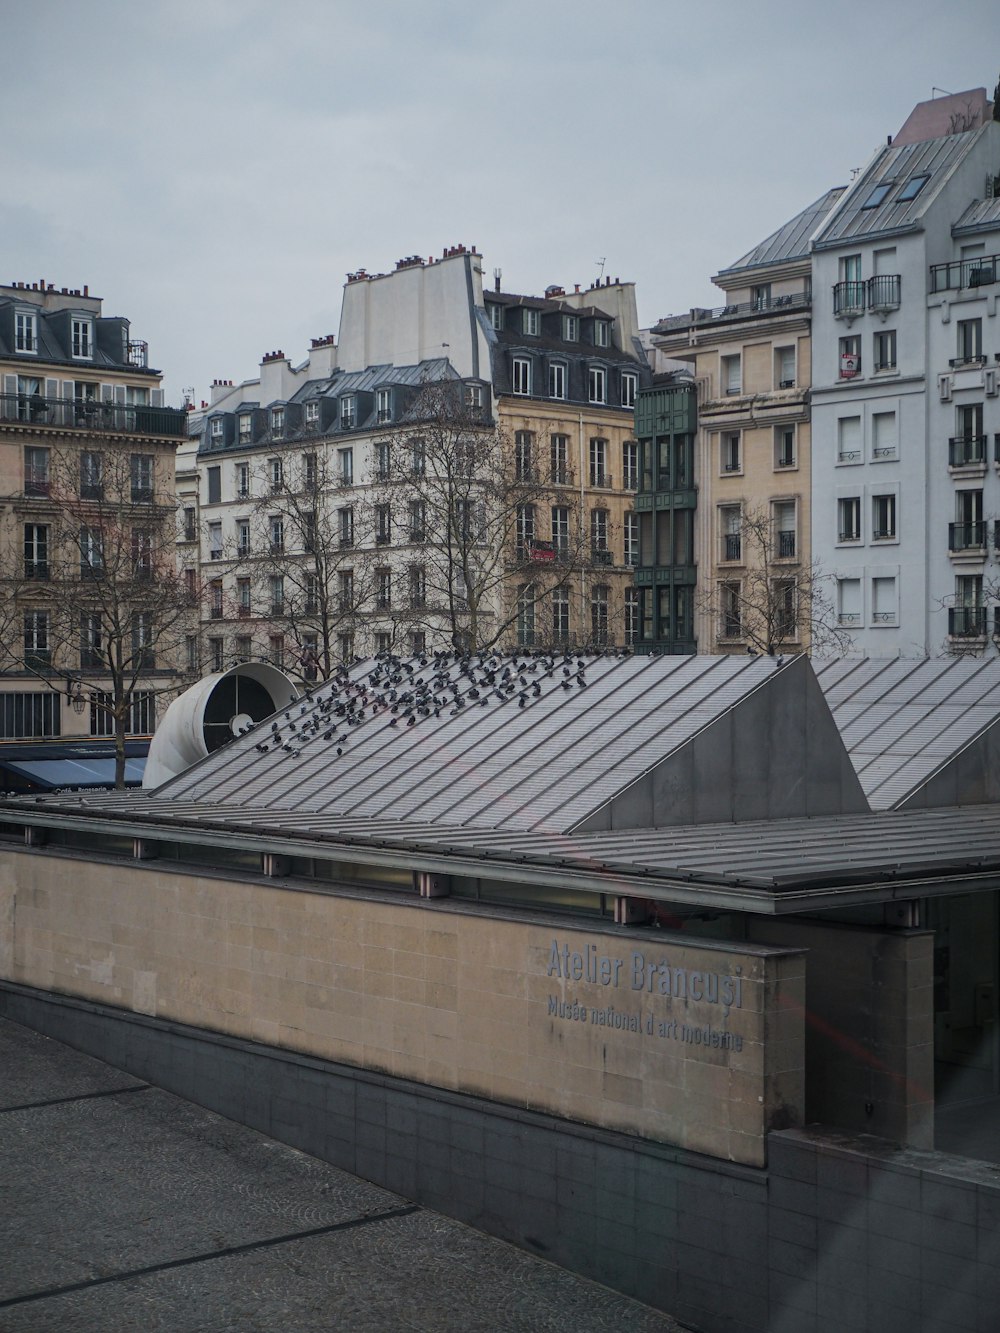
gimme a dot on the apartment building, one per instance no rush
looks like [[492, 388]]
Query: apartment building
[[904, 387], [750, 360], [86, 530]]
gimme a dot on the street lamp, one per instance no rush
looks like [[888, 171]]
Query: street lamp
[[75, 695]]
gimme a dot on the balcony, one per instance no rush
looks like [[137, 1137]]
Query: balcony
[[601, 557], [215, 613], [89, 414], [967, 361], [561, 475], [786, 546], [417, 536], [36, 569], [730, 625], [848, 299], [600, 479], [979, 272], [138, 354], [732, 546], [883, 291], [967, 538], [967, 451], [737, 311], [967, 622]]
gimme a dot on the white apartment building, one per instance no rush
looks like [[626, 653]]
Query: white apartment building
[[904, 347]]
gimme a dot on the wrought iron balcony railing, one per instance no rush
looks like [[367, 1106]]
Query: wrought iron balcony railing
[[967, 536], [967, 622], [88, 414]]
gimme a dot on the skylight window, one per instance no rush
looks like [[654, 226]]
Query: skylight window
[[913, 187], [877, 195]]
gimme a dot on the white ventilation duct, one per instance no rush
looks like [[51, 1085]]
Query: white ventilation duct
[[211, 713]]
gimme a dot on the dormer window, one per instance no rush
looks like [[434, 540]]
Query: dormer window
[[530, 322], [629, 382], [348, 412], [601, 333], [82, 338], [312, 413], [25, 332], [571, 328], [520, 375], [383, 405], [246, 427], [597, 384], [474, 399], [216, 430], [496, 315], [277, 420]]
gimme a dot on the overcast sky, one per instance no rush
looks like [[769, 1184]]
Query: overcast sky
[[213, 168]]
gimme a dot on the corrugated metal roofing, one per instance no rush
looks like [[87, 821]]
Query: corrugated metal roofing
[[896, 166], [983, 213], [452, 741], [903, 719], [790, 241]]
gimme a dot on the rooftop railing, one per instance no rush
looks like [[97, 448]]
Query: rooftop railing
[[88, 414], [979, 272]]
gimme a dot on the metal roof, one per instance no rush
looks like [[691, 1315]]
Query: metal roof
[[904, 719], [790, 241], [493, 742], [895, 166], [983, 213]]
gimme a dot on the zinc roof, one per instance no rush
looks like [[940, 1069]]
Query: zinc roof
[[790, 241]]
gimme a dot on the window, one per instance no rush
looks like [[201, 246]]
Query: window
[[784, 529], [91, 641], [36, 551], [191, 586], [784, 446], [383, 643], [243, 537], [276, 650], [597, 384], [849, 440], [309, 531], [786, 619], [242, 481], [884, 350], [968, 616], [968, 532], [760, 296], [276, 588], [192, 651], [383, 405], [731, 454], [383, 524], [345, 466], [91, 476], [276, 531], [215, 541], [474, 399], [213, 476], [217, 430], [631, 539], [496, 314], [557, 379], [599, 536], [142, 554], [29, 716], [599, 598], [312, 413], [877, 195], [885, 440], [630, 465], [530, 322], [558, 453], [730, 607], [36, 470], [349, 411], [849, 601], [912, 188], [190, 530], [215, 599], [602, 335], [523, 452], [276, 474], [525, 531], [37, 650], [383, 589], [731, 525], [418, 587], [142, 640], [312, 594], [244, 648], [560, 531], [345, 589], [970, 341], [884, 604], [631, 616], [310, 472], [520, 374], [345, 646], [243, 606], [82, 333], [629, 384], [470, 521], [850, 357], [418, 521], [784, 367], [849, 518], [277, 421], [418, 642], [599, 463], [571, 328], [560, 615], [91, 554], [883, 518], [345, 525], [526, 599], [245, 424], [25, 332], [141, 467], [418, 457], [732, 381]]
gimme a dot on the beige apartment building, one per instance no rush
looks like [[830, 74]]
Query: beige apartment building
[[751, 362]]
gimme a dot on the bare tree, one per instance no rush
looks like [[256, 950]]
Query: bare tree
[[776, 603], [302, 568], [97, 597], [466, 501]]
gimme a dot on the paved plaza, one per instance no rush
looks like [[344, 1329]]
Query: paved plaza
[[123, 1207]]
